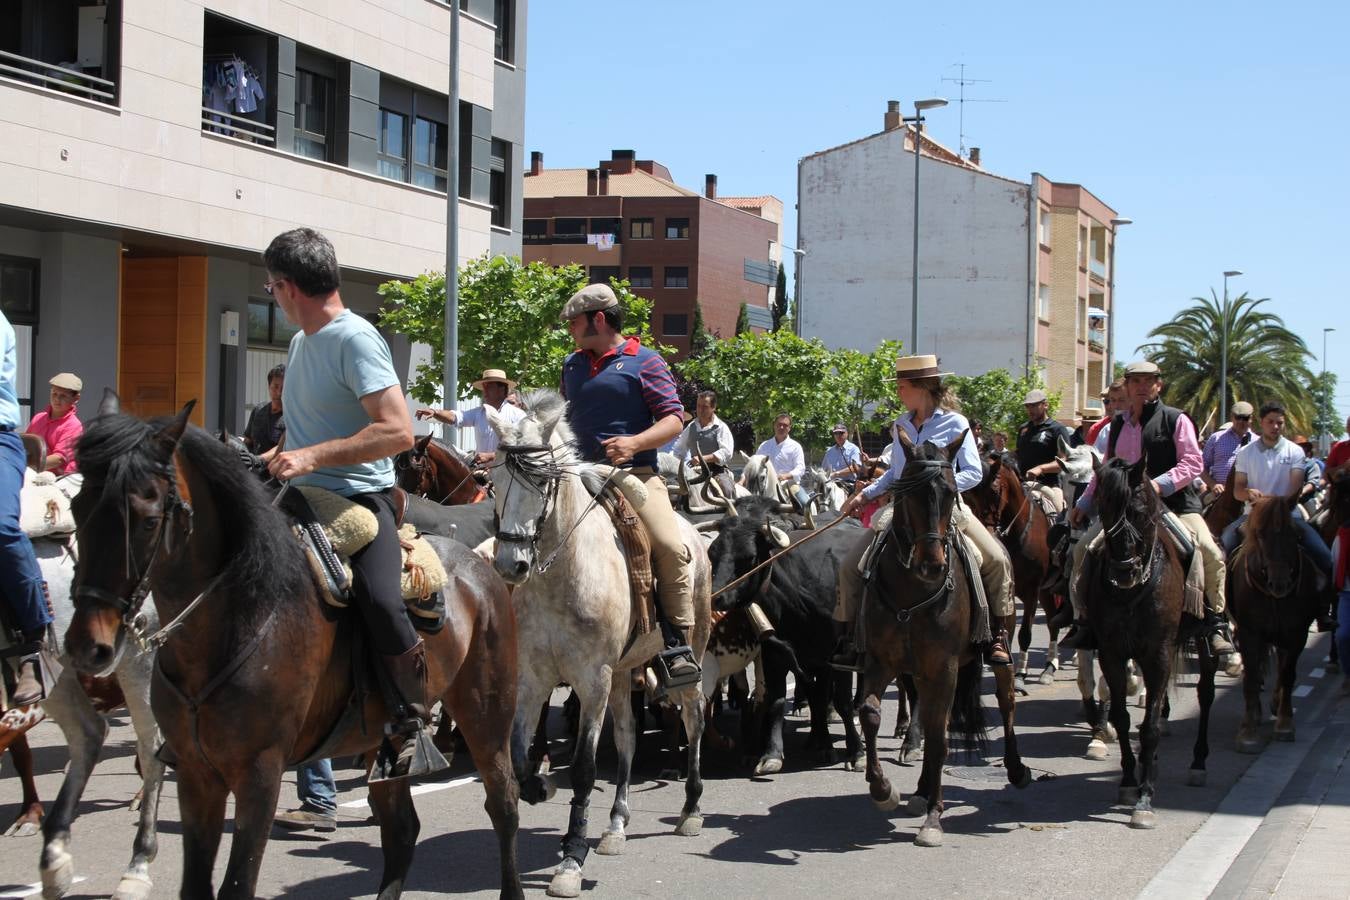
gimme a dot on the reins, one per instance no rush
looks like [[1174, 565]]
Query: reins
[[774, 556]]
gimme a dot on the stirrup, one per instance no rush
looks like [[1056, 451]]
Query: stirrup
[[667, 659], [424, 759]]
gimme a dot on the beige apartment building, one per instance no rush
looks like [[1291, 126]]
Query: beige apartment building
[[150, 149]]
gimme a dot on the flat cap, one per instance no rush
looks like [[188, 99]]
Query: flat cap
[[591, 298], [1033, 397], [67, 380], [838, 428], [1141, 367], [1243, 408]]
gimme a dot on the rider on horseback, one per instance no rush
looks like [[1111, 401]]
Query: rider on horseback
[[622, 406], [706, 441], [933, 416], [1166, 438], [1037, 443], [345, 417], [843, 461]]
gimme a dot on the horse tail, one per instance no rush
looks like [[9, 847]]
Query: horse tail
[[967, 716]]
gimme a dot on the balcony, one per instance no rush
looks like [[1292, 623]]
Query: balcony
[[1097, 269], [1096, 340], [238, 127], [57, 78]]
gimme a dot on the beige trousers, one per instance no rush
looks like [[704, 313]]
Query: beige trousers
[[995, 569], [670, 556]]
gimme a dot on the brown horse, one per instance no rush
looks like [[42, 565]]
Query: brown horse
[[1273, 596], [1225, 509], [434, 471], [254, 673], [918, 620], [1134, 595], [1003, 503]]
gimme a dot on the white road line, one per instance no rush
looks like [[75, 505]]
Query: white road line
[[33, 889], [1303, 690], [417, 790], [1318, 673]]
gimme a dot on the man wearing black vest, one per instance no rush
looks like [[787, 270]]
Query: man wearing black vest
[[1037, 448], [1167, 437]]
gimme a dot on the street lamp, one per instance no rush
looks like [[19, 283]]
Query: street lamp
[[1110, 367], [1223, 349], [797, 254], [917, 119], [1322, 436]]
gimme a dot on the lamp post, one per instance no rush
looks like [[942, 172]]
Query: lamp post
[[917, 119], [1110, 367], [1322, 436], [797, 254], [1223, 349]]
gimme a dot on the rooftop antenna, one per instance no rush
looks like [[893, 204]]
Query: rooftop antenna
[[961, 100]]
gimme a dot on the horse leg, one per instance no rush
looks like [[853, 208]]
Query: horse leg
[[592, 698], [691, 819], [934, 713], [84, 730], [913, 744], [533, 786], [843, 695], [134, 677], [902, 707], [1150, 731], [29, 819], [625, 741], [1254, 652], [391, 800], [885, 796], [255, 804], [820, 696], [201, 805], [1284, 713], [539, 759], [1204, 692], [1094, 710], [1023, 665], [1114, 671], [1047, 602], [1019, 775]]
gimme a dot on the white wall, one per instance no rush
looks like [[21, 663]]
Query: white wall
[[857, 214]]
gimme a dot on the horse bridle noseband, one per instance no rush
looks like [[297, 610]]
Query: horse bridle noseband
[[519, 458], [1145, 565]]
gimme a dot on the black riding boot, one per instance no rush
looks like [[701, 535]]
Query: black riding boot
[[847, 657], [408, 742], [1080, 637]]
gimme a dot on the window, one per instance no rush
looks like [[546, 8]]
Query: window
[[1043, 302], [536, 229], [640, 229], [607, 225], [675, 324], [429, 154], [640, 276], [504, 17], [1044, 234], [602, 274], [393, 150], [569, 226], [677, 277], [313, 115], [19, 289], [499, 194], [268, 325], [677, 229]]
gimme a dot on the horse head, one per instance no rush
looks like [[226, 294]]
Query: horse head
[[1076, 468], [531, 455], [414, 471], [131, 505], [922, 499], [1272, 551], [1130, 511]]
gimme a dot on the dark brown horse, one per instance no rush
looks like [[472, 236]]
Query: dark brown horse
[[254, 673], [1003, 503], [1273, 596], [918, 620], [434, 471], [1135, 597]]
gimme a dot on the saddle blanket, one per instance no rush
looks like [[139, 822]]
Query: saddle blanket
[[350, 527], [44, 503]]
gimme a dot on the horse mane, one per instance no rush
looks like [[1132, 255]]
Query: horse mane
[[544, 405], [1113, 484], [1008, 460], [1269, 515]]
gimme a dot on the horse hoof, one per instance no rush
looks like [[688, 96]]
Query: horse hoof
[[1127, 796], [1047, 677], [1023, 780], [1284, 734], [1234, 667], [22, 828], [917, 805], [770, 766], [611, 843], [1143, 819], [1109, 734], [908, 756], [132, 887], [566, 883], [545, 765], [1196, 778], [889, 803], [59, 874], [690, 826], [1247, 744], [929, 837], [1096, 749]]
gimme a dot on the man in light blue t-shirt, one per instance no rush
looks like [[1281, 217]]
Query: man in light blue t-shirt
[[345, 417]]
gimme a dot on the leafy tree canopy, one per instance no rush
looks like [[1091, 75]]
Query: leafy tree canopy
[[995, 399]]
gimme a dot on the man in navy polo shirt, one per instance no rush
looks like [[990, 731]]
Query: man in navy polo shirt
[[622, 406]]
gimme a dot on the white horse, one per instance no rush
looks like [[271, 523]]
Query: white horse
[[85, 730], [575, 618], [832, 494]]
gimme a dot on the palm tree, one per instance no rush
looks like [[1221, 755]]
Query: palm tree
[[1266, 361]]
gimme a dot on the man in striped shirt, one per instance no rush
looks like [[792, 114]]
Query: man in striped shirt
[[1222, 447]]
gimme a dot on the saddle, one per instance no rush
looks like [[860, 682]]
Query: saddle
[[44, 503], [332, 529], [1191, 564]]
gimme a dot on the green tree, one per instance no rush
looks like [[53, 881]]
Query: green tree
[[780, 299], [700, 339], [742, 321], [995, 399], [868, 379], [508, 318], [1266, 360], [1326, 419]]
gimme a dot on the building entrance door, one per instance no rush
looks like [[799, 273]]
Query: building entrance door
[[162, 352]]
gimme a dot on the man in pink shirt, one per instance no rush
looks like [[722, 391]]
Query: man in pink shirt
[[1174, 461], [58, 424]]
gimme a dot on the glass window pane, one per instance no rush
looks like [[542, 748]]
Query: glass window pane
[[282, 329], [259, 315]]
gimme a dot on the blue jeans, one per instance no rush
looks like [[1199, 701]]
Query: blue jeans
[[1308, 537], [1343, 629], [315, 786], [20, 577]]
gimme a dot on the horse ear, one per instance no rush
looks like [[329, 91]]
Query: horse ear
[[494, 418], [1096, 464], [111, 404], [1137, 473], [548, 417], [1064, 448], [954, 447], [905, 440], [168, 437], [420, 445], [995, 463]]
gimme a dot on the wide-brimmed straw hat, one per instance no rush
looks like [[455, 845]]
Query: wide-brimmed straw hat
[[497, 375], [914, 367]]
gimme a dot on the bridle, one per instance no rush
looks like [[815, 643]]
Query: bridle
[[428, 473], [1142, 567], [917, 475], [1262, 585]]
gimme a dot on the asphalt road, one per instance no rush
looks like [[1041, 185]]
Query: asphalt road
[[807, 832]]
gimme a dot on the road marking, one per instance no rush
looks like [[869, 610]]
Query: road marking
[[416, 791], [1317, 673], [34, 889], [1303, 690]]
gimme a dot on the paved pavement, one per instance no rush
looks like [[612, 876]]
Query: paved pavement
[[1263, 825]]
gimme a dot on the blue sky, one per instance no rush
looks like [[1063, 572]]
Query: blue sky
[[1219, 128]]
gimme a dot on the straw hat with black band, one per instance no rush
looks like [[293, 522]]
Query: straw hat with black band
[[495, 375], [912, 368]]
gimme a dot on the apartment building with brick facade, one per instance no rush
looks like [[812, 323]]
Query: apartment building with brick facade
[[150, 149], [1012, 274], [676, 246]]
